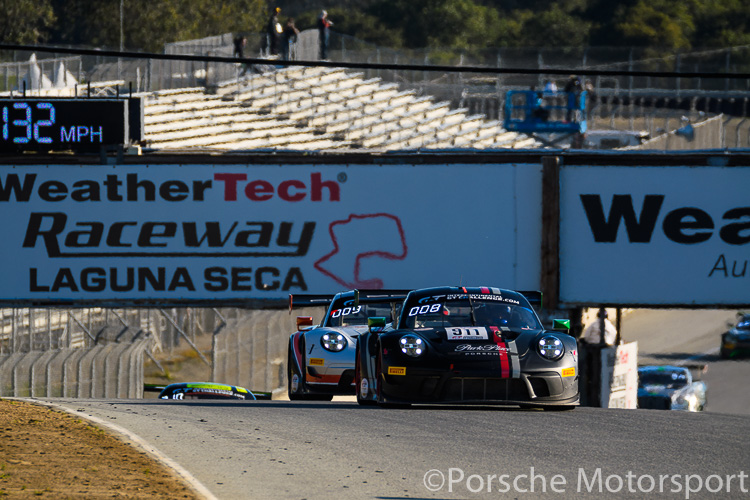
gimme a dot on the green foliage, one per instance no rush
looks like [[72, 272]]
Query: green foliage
[[149, 24], [721, 23], [25, 21], [661, 26]]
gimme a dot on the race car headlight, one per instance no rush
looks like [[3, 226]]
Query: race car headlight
[[333, 342], [550, 347], [411, 345]]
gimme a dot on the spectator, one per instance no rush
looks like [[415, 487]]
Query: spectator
[[273, 32], [550, 87], [592, 333], [239, 50], [590, 96], [289, 39], [323, 24], [573, 91], [539, 112], [239, 46]]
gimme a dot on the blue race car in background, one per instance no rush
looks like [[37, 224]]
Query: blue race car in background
[[736, 342], [671, 388], [462, 345]]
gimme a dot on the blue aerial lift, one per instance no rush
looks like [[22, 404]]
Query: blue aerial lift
[[535, 112]]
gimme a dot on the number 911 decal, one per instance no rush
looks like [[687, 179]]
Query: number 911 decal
[[466, 333]]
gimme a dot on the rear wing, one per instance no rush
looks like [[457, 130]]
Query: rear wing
[[360, 296], [308, 300], [381, 295], [534, 297]]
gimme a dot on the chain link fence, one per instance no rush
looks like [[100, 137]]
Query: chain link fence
[[101, 352]]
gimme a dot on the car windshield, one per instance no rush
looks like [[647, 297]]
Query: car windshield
[[744, 324], [667, 378], [462, 312], [344, 313]]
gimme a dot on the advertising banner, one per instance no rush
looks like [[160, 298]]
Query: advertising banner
[[619, 376], [195, 233], [646, 235]]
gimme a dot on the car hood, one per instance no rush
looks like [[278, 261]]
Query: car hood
[[477, 338], [658, 390], [350, 331]]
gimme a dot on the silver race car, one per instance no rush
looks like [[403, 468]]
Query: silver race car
[[671, 388], [321, 358]]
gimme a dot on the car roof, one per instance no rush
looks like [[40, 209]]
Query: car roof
[[662, 368], [476, 290]]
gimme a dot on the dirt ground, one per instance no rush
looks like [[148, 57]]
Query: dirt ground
[[46, 453]]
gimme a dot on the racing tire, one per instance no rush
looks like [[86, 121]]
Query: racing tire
[[300, 395], [358, 381], [725, 353]]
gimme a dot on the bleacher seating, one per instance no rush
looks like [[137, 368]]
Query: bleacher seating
[[310, 109]]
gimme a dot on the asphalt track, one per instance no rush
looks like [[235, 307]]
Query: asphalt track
[[290, 450]]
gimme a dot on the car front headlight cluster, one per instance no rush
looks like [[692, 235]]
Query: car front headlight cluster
[[411, 345], [334, 342], [550, 347]]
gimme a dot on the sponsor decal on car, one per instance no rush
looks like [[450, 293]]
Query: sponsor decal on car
[[396, 370], [568, 372], [463, 333], [484, 348], [317, 361]]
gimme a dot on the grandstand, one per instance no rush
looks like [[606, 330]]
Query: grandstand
[[308, 108]]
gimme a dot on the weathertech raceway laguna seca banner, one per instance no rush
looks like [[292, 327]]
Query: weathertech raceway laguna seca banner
[[196, 233]]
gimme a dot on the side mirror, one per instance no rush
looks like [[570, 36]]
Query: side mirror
[[376, 324], [304, 322], [561, 325]]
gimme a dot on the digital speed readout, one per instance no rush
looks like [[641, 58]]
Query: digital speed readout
[[62, 124]]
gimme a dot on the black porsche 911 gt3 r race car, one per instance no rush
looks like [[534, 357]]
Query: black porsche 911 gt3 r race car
[[469, 346], [321, 358], [736, 342]]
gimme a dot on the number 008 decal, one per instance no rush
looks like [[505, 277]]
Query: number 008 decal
[[467, 333], [425, 309]]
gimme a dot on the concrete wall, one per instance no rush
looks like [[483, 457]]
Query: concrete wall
[[103, 371]]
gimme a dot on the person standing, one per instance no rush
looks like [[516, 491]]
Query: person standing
[[289, 39], [273, 32], [592, 335], [240, 42], [323, 33]]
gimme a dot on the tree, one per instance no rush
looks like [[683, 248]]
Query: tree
[[149, 24], [25, 21], [662, 25], [721, 23], [556, 28]]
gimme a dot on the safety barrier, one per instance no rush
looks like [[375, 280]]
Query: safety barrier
[[102, 371]]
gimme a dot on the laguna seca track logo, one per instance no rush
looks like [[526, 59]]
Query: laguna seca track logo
[[381, 234]]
